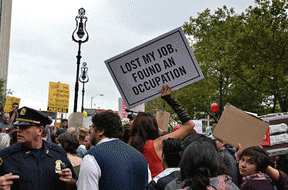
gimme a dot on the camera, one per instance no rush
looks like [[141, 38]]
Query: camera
[[131, 114]]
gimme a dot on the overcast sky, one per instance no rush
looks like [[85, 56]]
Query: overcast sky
[[42, 50]]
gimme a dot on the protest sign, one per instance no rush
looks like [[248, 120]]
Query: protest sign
[[139, 73], [9, 102], [58, 97], [235, 126], [198, 126], [163, 120]]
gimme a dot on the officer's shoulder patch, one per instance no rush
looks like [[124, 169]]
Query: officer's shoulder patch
[[1, 161]]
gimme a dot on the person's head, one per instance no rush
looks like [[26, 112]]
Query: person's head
[[144, 128], [71, 130], [171, 153], [64, 123], [6, 117], [30, 126], [13, 137], [282, 163], [57, 134], [199, 163], [196, 137], [45, 133], [126, 133], [87, 142], [69, 142], [219, 144], [53, 138], [83, 132], [15, 106], [253, 160], [106, 124], [4, 140]]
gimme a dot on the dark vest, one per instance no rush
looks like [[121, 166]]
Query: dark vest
[[122, 166]]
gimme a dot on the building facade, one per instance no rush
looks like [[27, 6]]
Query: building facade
[[5, 26]]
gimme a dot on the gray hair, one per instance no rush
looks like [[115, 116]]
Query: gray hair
[[4, 140]]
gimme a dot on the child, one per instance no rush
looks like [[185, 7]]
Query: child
[[252, 167], [253, 164]]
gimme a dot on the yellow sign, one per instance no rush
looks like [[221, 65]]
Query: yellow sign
[[58, 97], [9, 102]]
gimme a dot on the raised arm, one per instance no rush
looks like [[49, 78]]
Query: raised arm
[[187, 124]]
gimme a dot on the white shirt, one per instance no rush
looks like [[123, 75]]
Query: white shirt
[[166, 172], [90, 171]]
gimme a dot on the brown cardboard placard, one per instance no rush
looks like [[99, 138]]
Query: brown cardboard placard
[[235, 126], [163, 120]]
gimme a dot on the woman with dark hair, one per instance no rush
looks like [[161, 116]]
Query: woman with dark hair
[[145, 134], [69, 142], [201, 168], [282, 163], [254, 163]]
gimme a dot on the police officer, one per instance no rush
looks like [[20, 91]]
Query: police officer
[[33, 163]]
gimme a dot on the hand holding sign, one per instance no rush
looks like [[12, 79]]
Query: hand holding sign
[[166, 90]]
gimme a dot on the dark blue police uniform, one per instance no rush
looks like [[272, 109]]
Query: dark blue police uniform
[[36, 168]]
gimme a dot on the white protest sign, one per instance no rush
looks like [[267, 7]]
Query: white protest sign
[[139, 73], [198, 126]]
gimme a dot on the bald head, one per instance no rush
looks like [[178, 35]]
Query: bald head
[[70, 130], [6, 117]]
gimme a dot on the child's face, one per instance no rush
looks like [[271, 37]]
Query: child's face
[[247, 166]]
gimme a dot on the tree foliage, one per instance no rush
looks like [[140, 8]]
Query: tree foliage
[[2, 92], [252, 60], [261, 52]]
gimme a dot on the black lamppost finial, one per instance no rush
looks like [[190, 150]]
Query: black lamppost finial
[[81, 37], [83, 79]]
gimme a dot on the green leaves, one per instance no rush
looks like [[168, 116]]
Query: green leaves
[[253, 63], [2, 92]]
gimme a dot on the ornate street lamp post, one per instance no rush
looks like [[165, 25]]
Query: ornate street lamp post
[[219, 56], [81, 37], [83, 79]]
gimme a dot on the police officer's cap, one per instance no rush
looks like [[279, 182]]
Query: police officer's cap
[[29, 116]]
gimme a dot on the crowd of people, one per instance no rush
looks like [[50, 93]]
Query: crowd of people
[[109, 155]]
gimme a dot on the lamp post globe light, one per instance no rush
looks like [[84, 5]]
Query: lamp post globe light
[[79, 35], [94, 97], [83, 79]]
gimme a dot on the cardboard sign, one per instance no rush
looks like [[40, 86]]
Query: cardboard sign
[[139, 73], [235, 126], [76, 120], [163, 120]]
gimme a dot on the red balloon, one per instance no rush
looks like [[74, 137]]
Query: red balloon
[[214, 107], [176, 127]]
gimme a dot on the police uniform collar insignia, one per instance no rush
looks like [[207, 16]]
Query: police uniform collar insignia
[[28, 152], [47, 151], [23, 111], [58, 166]]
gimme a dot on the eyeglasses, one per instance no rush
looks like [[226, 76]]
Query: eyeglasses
[[16, 107]]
